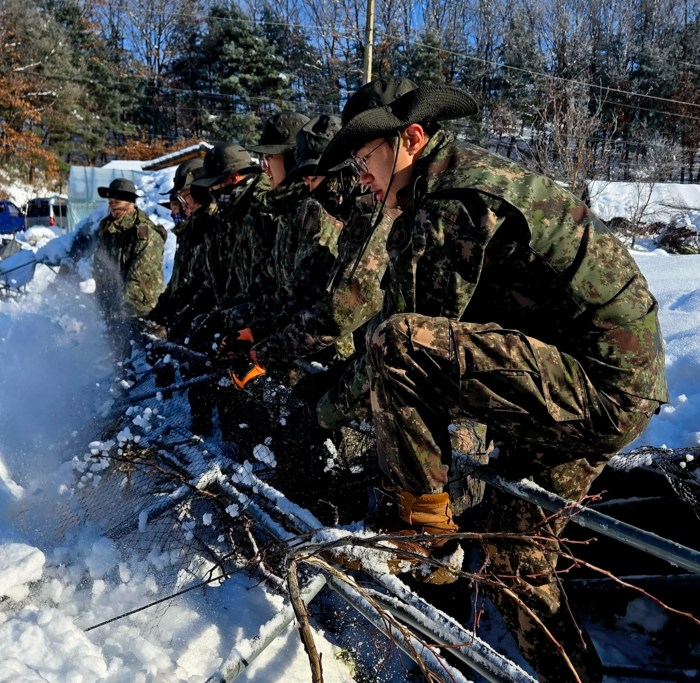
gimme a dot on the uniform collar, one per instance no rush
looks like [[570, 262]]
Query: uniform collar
[[122, 224], [427, 173]]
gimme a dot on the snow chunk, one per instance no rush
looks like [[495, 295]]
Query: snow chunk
[[19, 565], [232, 510], [45, 645], [263, 453], [102, 558]]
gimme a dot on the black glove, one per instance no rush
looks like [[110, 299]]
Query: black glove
[[203, 329]]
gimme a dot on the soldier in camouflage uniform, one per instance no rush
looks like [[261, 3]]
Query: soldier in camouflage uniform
[[128, 264], [277, 203], [304, 249], [506, 301], [234, 180], [184, 281]]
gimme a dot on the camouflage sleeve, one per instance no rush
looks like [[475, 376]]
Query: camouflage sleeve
[[314, 257], [144, 278], [352, 297]]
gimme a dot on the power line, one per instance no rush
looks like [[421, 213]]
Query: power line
[[557, 78]]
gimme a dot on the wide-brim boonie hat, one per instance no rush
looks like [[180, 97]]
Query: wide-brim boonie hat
[[311, 140], [119, 188], [384, 107], [279, 133], [222, 161], [193, 167]]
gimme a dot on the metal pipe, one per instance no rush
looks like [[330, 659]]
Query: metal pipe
[[410, 645], [176, 349], [675, 553], [478, 654], [416, 620], [178, 386]]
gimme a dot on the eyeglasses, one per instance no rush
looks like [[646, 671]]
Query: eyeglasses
[[181, 197], [362, 161], [265, 161]]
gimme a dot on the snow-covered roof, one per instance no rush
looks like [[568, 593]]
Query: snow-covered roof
[[125, 165], [177, 157]]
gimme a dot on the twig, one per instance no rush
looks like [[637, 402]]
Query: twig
[[307, 637]]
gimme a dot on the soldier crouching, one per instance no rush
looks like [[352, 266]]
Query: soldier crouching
[[508, 302]]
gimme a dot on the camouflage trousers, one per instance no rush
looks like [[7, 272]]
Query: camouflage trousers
[[551, 425]]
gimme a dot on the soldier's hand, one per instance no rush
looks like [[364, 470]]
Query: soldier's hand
[[204, 329], [245, 369], [235, 346]]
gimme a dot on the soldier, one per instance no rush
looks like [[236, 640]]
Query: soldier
[[305, 249], [128, 263], [184, 281], [235, 181], [506, 301], [280, 202]]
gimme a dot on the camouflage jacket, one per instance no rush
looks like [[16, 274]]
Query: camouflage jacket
[[351, 297], [255, 241], [303, 254], [128, 265], [186, 278], [483, 240], [217, 235]]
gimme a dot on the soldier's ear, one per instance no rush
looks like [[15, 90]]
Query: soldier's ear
[[414, 138]]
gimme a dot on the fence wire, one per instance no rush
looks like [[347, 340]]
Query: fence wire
[[680, 467], [150, 480]]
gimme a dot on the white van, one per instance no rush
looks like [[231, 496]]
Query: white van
[[51, 212]]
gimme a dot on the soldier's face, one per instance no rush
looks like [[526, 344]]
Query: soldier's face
[[378, 163], [313, 181], [119, 208], [273, 165], [187, 202]]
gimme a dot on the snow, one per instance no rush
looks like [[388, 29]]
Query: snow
[[20, 564], [675, 282], [663, 201], [54, 367]]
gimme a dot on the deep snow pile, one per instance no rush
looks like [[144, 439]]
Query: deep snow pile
[[54, 369]]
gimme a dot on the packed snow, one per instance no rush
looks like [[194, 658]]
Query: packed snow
[[54, 366]]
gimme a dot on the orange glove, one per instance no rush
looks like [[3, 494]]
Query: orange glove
[[245, 369]]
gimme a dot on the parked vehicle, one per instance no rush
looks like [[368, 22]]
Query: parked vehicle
[[51, 212], [11, 218]]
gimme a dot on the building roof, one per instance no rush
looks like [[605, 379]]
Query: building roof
[[191, 152]]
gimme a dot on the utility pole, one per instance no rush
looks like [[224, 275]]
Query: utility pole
[[369, 41]]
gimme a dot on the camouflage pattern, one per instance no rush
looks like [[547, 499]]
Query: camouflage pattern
[[186, 278], [217, 235], [507, 302], [352, 295], [221, 236], [427, 371], [128, 265], [531, 568], [255, 240], [483, 240], [303, 254]]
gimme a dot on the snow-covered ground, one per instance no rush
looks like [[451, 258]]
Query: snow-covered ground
[[54, 363], [647, 202]]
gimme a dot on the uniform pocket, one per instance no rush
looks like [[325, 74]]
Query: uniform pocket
[[563, 384]]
